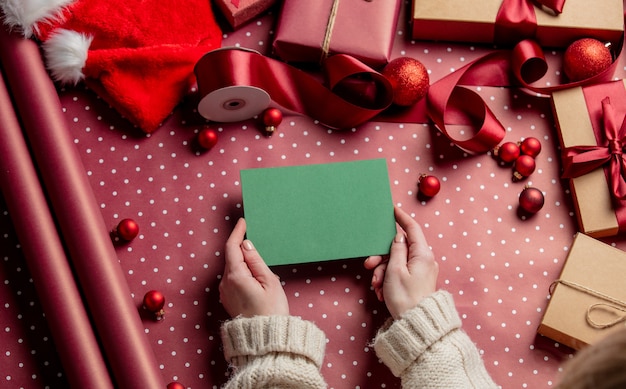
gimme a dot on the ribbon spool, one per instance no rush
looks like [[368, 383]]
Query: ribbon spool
[[228, 103], [233, 103]]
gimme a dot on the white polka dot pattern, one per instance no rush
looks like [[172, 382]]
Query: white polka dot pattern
[[497, 264]]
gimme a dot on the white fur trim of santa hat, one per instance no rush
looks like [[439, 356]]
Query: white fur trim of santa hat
[[25, 14], [66, 54]]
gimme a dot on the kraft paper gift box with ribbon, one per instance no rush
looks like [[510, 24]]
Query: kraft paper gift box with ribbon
[[592, 135], [240, 12], [509, 21], [310, 31], [588, 300]]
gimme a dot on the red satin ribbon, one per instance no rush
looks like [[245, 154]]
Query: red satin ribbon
[[516, 19], [609, 123], [354, 93]]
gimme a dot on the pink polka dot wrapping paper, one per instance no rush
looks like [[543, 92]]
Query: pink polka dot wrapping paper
[[498, 265]]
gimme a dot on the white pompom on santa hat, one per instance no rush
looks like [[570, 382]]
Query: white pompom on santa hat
[[138, 55]]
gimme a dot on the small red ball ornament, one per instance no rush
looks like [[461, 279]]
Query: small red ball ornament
[[207, 138], [272, 117], [428, 185], [409, 80], [524, 167], [153, 302], [531, 200], [507, 152], [586, 58], [175, 385], [531, 147], [127, 229]]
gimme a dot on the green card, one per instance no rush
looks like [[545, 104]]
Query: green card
[[319, 212]]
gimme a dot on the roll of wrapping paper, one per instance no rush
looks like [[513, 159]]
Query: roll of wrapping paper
[[45, 256], [91, 251]]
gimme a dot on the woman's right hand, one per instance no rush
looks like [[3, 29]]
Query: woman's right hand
[[410, 271]]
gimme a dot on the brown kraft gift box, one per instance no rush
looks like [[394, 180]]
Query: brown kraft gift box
[[592, 197], [474, 21], [309, 31], [588, 300]]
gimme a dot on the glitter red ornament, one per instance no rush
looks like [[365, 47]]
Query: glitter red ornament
[[524, 167], [154, 301], [207, 138], [271, 117], [507, 152], [428, 185], [531, 147], [127, 229], [175, 385], [585, 58], [409, 80], [531, 200]]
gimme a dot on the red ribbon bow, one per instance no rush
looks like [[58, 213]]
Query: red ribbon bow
[[516, 19], [580, 160]]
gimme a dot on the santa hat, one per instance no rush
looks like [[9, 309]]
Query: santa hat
[[138, 55]]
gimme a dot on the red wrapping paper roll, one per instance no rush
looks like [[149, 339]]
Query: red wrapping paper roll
[[74, 205], [66, 316]]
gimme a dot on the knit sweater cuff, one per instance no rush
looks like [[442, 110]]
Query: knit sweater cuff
[[246, 338], [399, 343]]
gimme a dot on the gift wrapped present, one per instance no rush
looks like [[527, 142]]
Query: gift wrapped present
[[310, 31], [553, 23], [588, 300], [240, 12], [592, 134]]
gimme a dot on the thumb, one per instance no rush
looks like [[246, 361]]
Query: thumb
[[398, 252], [256, 264]]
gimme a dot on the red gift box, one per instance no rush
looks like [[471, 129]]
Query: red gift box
[[309, 31], [475, 22], [239, 12], [587, 118]]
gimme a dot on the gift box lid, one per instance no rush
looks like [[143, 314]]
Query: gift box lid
[[588, 300]]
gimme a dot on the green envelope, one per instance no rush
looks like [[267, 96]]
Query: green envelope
[[319, 212]]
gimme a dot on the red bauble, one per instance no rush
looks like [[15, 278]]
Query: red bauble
[[154, 301], [175, 385], [428, 185], [586, 58], [531, 147], [524, 167], [207, 138], [127, 229], [272, 117], [507, 152], [531, 200], [409, 80]]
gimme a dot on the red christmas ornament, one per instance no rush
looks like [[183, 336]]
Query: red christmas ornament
[[207, 138], [409, 80], [586, 58], [175, 385], [507, 152], [127, 229], [531, 200], [272, 117], [531, 147], [524, 167], [154, 301], [428, 185]]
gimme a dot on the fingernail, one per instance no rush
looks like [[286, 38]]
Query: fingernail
[[399, 238], [248, 245]]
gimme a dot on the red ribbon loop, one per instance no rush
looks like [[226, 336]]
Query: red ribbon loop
[[580, 160]]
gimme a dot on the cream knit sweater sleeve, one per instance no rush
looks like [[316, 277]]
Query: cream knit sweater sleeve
[[273, 352], [426, 348]]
